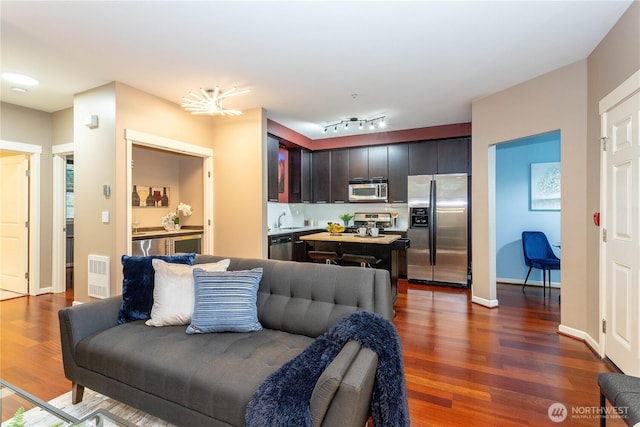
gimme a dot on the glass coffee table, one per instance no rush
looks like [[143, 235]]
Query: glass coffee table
[[13, 398]]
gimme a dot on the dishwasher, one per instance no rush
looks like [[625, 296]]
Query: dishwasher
[[280, 247]]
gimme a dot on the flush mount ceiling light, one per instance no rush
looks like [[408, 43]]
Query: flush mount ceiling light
[[209, 101], [20, 79], [380, 121]]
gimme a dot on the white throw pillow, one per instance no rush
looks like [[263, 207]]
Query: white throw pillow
[[174, 291]]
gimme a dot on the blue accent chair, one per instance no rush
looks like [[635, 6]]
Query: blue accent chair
[[538, 254]]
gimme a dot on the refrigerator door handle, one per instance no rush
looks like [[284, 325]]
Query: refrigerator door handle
[[432, 223]]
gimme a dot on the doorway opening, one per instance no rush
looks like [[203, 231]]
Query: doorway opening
[[26, 226], [527, 198]]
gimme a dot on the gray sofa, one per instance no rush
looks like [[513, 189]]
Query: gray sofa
[[208, 379]]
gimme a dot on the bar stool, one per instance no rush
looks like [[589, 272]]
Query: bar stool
[[363, 260], [326, 257]]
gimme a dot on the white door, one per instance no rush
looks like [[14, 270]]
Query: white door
[[14, 256], [622, 227]]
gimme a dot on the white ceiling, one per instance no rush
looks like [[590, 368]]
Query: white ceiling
[[420, 63]]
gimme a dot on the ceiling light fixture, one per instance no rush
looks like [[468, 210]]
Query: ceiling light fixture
[[19, 89], [20, 79], [380, 121], [209, 101]]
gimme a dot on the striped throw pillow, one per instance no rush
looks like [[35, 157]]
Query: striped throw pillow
[[225, 301]]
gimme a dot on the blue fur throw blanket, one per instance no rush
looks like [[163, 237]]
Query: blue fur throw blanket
[[283, 398]]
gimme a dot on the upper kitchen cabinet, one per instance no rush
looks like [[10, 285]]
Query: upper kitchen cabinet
[[321, 176], [398, 171], [339, 176], [378, 162], [368, 162], [299, 175], [273, 145], [439, 156], [453, 155], [423, 158]]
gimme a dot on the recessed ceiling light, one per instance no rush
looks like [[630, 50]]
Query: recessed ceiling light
[[20, 79], [19, 89]]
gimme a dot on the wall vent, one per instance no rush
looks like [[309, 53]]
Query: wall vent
[[99, 276]]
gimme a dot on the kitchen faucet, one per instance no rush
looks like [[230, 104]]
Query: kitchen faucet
[[279, 223]]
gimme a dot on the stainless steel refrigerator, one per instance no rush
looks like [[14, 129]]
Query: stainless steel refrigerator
[[438, 229]]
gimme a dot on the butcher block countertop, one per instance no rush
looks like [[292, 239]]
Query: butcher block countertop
[[382, 239]]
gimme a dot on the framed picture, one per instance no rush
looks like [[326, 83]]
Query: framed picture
[[545, 186], [150, 196]]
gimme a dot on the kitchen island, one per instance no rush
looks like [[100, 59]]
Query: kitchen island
[[383, 247]]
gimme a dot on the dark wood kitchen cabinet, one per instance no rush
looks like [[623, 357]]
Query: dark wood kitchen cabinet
[[423, 158], [378, 167], [358, 163], [398, 171], [299, 175], [339, 176], [453, 155], [273, 145], [368, 162], [321, 176], [439, 156]]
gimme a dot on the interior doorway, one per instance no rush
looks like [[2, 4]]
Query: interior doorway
[[62, 217], [14, 219], [527, 198], [32, 198]]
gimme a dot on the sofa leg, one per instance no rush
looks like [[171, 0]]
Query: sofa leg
[[77, 392]]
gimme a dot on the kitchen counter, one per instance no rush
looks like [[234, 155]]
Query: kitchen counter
[[289, 230], [381, 239], [152, 234]]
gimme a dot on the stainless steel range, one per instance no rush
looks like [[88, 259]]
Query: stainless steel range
[[380, 220]]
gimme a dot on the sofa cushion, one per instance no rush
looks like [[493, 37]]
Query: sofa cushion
[[182, 368], [137, 286], [225, 301], [174, 291]]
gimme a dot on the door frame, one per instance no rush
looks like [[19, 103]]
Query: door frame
[[134, 137], [59, 217], [34, 152], [628, 88]]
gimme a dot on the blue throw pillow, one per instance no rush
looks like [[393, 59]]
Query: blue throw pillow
[[137, 286], [225, 301]]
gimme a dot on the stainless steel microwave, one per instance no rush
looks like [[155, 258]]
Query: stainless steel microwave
[[368, 190]]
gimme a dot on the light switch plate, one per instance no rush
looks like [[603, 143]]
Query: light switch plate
[[105, 217]]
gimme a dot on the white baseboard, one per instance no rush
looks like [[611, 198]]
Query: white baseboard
[[529, 282], [485, 302]]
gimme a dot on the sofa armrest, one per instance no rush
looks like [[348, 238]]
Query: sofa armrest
[[383, 297], [80, 321], [342, 395]]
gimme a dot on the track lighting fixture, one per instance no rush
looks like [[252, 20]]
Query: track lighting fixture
[[380, 121]]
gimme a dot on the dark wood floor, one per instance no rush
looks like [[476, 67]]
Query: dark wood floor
[[464, 364]]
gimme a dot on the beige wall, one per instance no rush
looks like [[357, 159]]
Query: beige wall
[[20, 124], [240, 190], [62, 124], [566, 99], [100, 159], [94, 160], [554, 101], [615, 59]]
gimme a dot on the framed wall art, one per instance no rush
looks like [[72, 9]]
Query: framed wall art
[[150, 196], [545, 186]]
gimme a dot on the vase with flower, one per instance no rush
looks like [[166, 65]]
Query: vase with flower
[[171, 221]]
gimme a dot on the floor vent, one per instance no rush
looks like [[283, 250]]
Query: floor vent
[[99, 274]]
